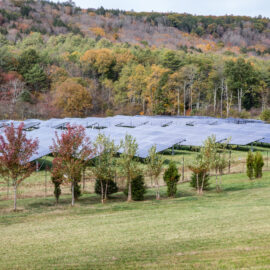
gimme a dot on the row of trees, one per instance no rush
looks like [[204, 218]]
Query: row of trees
[[73, 152], [71, 75]]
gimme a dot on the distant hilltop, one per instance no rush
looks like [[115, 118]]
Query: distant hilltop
[[245, 34]]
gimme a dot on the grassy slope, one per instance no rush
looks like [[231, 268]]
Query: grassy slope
[[216, 231]]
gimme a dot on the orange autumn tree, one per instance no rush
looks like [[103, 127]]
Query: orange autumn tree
[[72, 98]]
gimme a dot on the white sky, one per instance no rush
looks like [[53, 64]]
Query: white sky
[[199, 7]]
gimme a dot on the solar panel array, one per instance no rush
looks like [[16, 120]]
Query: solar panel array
[[162, 131]]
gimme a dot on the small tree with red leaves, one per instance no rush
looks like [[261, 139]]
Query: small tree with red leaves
[[15, 153], [71, 150]]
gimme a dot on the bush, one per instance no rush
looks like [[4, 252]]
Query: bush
[[258, 165], [112, 187], [250, 165], [77, 190], [57, 181], [193, 182], [137, 188], [171, 177], [265, 115], [244, 114]]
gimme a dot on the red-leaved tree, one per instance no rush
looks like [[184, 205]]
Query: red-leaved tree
[[15, 153], [71, 150]]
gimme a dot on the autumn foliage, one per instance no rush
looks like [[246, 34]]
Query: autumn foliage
[[71, 149], [72, 98], [15, 154]]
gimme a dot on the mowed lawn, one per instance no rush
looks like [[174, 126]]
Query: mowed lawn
[[228, 230]]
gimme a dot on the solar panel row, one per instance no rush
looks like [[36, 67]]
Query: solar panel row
[[162, 131]]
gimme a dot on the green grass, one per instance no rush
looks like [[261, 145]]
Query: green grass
[[228, 230]]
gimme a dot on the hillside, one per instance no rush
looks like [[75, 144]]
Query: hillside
[[228, 230], [59, 60], [18, 18]]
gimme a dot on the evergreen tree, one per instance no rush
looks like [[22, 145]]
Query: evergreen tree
[[258, 165], [171, 177], [137, 188], [250, 165]]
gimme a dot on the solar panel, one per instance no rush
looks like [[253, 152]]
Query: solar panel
[[162, 131]]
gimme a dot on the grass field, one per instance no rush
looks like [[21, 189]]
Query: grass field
[[228, 230]]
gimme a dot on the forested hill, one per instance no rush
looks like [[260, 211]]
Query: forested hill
[[60, 60], [18, 18]]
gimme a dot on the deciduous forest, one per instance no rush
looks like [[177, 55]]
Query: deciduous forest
[[59, 60]]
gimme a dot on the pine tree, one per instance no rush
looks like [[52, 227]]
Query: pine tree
[[250, 165], [171, 177], [258, 165]]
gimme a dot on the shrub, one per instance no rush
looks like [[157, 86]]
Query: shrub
[[265, 115], [137, 188], [77, 190], [112, 187], [250, 165], [244, 114], [171, 177], [258, 165], [57, 181], [193, 182]]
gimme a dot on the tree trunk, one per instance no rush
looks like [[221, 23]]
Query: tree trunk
[[198, 102], [220, 181], [8, 188], [221, 102], [184, 99], [157, 190], [83, 176], [45, 194], [228, 100], [190, 106], [229, 165], [217, 186], [129, 199], [144, 106], [215, 100], [202, 184], [72, 191], [102, 191], [239, 94], [183, 169], [178, 102], [198, 187], [106, 191], [15, 197]]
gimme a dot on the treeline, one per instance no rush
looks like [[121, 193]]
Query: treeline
[[71, 75], [200, 25]]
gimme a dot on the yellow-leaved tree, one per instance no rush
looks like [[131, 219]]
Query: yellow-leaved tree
[[72, 98]]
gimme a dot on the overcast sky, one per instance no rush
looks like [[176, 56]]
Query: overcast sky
[[199, 7]]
